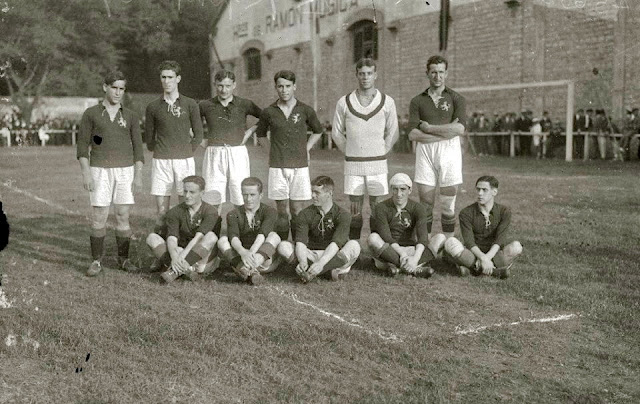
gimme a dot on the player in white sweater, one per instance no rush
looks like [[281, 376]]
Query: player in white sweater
[[365, 127]]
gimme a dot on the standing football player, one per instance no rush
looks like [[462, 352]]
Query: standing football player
[[170, 122], [111, 156], [437, 117], [289, 120], [365, 127], [226, 159]]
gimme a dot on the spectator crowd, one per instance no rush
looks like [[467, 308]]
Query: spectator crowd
[[535, 144]]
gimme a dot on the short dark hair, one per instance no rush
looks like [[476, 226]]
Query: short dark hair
[[366, 62], [252, 182], [224, 74], [196, 179], [436, 60], [285, 74], [113, 76], [324, 182], [170, 65], [493, 181]]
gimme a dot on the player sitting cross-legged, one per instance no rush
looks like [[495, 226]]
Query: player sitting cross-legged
[[402, 239], [321, 238], [484, 226], [190, 233], [250, 242]]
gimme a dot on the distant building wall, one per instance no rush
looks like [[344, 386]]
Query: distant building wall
[[489, 43]]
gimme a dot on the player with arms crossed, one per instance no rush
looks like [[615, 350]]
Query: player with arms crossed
[[365, 127], [111, 155], [250, 242], [484, 226], [289, 120], [402, 239], [321, 237], [437, 117], [190, 236], [226, 160]]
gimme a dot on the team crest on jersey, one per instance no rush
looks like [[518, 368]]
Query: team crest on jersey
[[295, 118], [254, 224], [122, 122], [445, 106], [175, 110]]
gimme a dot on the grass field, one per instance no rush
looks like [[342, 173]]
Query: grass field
[[367, 339]]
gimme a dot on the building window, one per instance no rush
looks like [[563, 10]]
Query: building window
[[253, 62], [365, 40]]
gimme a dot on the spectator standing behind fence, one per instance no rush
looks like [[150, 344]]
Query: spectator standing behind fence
[[482, 145], [536, 138]]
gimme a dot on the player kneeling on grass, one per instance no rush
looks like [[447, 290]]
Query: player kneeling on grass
[[402, 239], [251, 242], [190, 233], [322, 242], [484, 226]]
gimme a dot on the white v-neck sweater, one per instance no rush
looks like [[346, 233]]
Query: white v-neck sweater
[[362, 131]]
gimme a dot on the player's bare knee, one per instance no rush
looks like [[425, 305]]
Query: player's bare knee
[[273, 239], [453, 247], [99, 217], [154, 240], [285, 249], [427, 194], [513, 249], [209, 240], [448, 204], [351, 249], [223, 243], [374, 241]]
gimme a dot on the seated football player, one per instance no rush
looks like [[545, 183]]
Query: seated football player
[[190, 233], [401, 243], [322, 242], [251, 241], [484, 226]]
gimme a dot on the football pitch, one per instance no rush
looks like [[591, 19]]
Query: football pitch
[[563, 328]]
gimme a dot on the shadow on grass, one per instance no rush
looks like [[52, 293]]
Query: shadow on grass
[[63, 240]]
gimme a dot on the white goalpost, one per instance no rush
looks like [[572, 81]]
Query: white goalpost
[[557, 83]]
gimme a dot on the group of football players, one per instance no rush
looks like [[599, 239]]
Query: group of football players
[[187, 238]]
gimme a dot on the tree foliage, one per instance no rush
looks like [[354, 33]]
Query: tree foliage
[[64, 47]]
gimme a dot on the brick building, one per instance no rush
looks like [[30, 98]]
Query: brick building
[[490, 42]]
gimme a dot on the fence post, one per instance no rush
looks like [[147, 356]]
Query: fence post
[[512, 144], [73, 134], [587, 147], [544, 145]]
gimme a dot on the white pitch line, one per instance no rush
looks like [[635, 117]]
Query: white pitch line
[[39, 199], [475, 330], [381, 334]]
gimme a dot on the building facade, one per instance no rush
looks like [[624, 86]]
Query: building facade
[[490, 42]]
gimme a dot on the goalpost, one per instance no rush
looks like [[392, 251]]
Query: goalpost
[[557, 83]]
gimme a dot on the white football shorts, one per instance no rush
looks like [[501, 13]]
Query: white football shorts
[[223, 169], [439, 163], [165, 173], [289, 183], [112, 185], [375, 185]]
